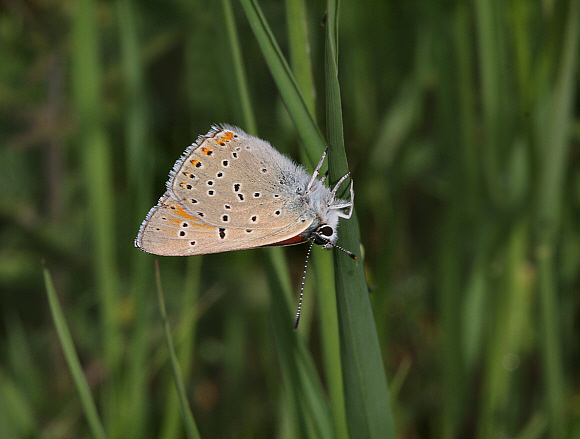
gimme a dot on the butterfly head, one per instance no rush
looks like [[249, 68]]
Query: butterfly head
[[324, 231], [325, 235]]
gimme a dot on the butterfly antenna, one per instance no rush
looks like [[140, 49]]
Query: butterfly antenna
[[297, 320], [351, 254]]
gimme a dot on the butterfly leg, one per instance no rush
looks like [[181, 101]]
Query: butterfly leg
[[323, 178], [315, 173], [349, 204], [337, 185]]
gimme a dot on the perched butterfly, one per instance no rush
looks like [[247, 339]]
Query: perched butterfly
[[233, 191]]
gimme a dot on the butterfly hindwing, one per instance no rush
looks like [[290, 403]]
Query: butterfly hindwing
[[170, 230]]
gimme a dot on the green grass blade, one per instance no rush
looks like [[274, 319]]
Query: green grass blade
[[138, 152], [278, 275], [510, 320], [98, 180], [328, 312], [16, 413], [188, 420], [448, 288], [556, 138], [300, 52], [291, 95], [239, 71], [365, 386], [321, 258], [558, 130], [475, 301], [185, 343], [302, 382], [72, 359], [488, 22]]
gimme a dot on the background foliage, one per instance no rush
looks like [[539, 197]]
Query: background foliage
[[461, 130]]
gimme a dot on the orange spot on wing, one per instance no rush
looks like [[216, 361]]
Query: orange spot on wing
[[225, 137], [194, 162], [181, 214], [206, 150], [184, 214]]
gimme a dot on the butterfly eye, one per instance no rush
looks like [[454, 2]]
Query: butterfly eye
[[318, 240], [326, 230], [322, 233]]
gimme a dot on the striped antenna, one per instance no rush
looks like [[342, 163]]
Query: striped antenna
[[297, 320]]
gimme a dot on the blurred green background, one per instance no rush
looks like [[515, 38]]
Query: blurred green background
[[461, 125]]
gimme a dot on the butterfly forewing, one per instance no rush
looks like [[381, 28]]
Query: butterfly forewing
[[231, 179]]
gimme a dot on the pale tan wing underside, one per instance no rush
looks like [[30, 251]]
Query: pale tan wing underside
[[231, 179], [170, 230]]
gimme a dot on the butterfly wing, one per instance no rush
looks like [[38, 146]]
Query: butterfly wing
[[171, 230], [231, 179], [228, 191]]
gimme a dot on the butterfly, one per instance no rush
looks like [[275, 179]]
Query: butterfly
[[233, 191]]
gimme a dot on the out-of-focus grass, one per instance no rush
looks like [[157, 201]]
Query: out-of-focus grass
[[460, 126], [87, 400], [190, 427], [97, 170]]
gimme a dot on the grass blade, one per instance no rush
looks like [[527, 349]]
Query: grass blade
[[303, 384], [138, 153], [300, 52], [321, 258], [556, 137], [305, 125], [185, 344], [72, 359], [98, 180], [189, 422], [365, 386], [239, 71]]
